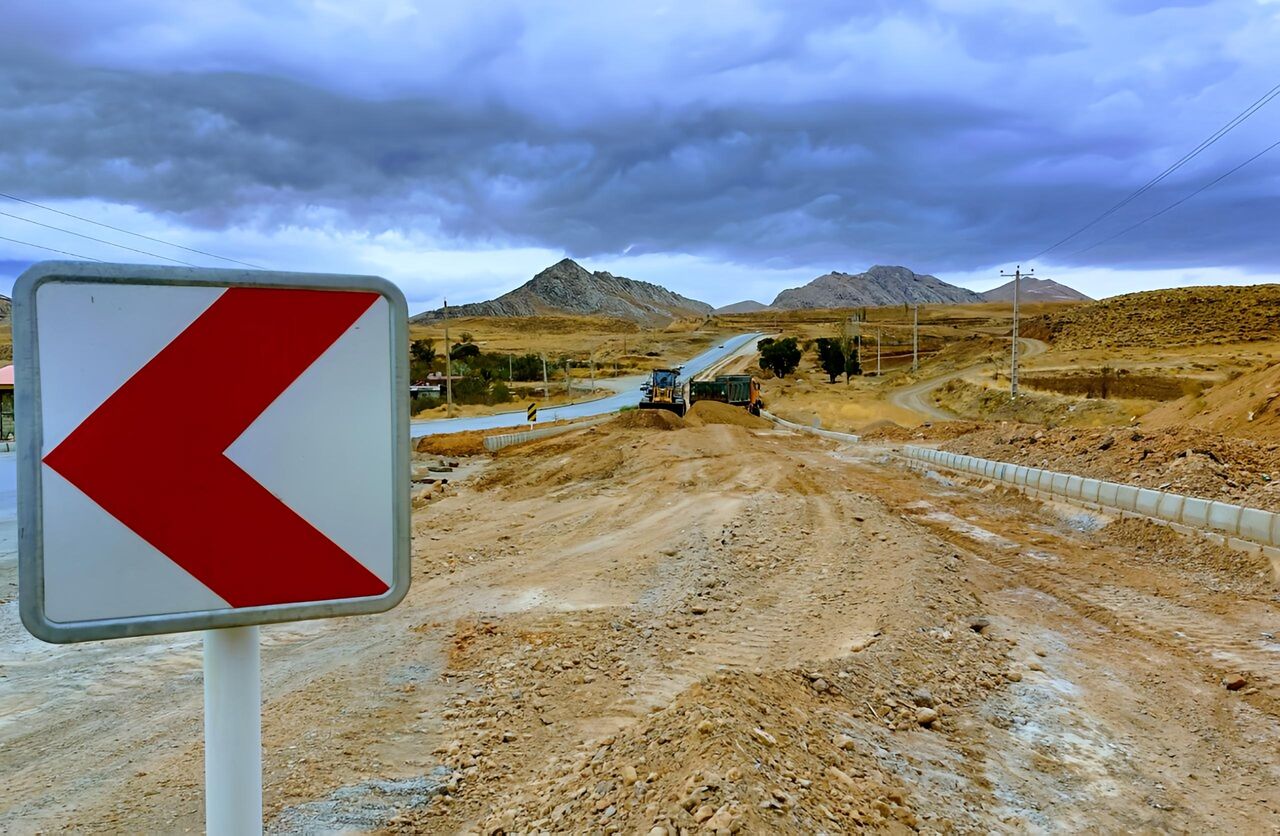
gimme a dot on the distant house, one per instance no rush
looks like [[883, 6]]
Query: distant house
[[6, 403]]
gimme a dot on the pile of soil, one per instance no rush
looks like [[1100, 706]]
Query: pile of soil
[[714, 412], [453, 444], [890, 431], [807, 750], [1182, 460], [1216, 566], [645, 419]]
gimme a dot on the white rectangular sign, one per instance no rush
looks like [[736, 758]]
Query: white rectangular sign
[[207, 448]]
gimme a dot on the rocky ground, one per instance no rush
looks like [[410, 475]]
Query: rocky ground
[[662, 628], [1184, 460]]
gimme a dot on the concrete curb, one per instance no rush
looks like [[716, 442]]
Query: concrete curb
[[494, 443], [1236, 525], [791, 425]]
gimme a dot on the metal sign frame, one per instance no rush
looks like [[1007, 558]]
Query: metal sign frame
[[29, 420]]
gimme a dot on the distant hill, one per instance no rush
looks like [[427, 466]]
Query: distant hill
[[746, 306], [6, 307], [878, 286], [1036, 290], [1157, 319], [566, 287]]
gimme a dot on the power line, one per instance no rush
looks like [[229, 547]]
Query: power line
[[1239, 119], [128, 232], [1177, 203], [99, 240], [50, 249]]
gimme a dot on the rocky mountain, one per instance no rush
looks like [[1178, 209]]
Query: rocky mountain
[[879, 285], [566, 287], [745, 306], [1036, 290]]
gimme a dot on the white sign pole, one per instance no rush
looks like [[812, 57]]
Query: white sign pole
[[232, 732]]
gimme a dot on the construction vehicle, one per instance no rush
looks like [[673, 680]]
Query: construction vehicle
[[665, 391], [734, 389]]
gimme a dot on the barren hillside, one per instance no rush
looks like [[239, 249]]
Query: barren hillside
[[1181, 316]]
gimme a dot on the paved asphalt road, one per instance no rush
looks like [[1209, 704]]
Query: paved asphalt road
[[586, 409]]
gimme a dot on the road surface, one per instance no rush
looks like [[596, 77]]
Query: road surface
[[799, 606], [584, 409], [916, 397]]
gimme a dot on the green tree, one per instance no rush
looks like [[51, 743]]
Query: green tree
[[831, 356], [423, 351], [781, 357], [462, 351]]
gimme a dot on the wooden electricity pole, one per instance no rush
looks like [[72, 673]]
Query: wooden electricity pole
[[1016, 275]]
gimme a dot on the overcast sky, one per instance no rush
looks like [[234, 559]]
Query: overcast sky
[[724, 149]]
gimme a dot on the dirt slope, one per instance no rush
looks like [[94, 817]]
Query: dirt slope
[[1248, 406], [709, 629]]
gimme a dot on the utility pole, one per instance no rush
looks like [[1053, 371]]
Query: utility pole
[[511, 368], [1017, 275], [448, 363], [593, 371], [568, 387], [877, 353], [546, 387], [915, 338]]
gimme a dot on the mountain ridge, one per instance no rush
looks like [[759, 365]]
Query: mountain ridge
[[567, 287], [878, 285], [1036, 290]]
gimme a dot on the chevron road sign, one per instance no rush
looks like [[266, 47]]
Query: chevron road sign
[[207, 448]]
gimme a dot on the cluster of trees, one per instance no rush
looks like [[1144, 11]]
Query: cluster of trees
[[837, 356], [480, 376], [779, 357]]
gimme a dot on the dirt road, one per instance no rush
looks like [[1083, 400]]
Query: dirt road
[[712, 628], [916, 397]]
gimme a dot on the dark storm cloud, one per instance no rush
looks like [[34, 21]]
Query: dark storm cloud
[[778, 170]]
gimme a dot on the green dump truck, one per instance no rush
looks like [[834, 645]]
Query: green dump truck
[[735, 389]]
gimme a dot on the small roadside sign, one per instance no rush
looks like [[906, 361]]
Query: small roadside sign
[[209, 450], [532, 412]]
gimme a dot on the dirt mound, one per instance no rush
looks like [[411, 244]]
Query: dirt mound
[[1180, 316], [452, 444], [1218, 567], [886, 430], [805, 750], [891, 431], [645, 419], [1248, 406], [1180, 459], [714, 412]]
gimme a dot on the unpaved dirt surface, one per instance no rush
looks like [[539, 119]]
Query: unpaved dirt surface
[[660, 628], [918, 397], [1188, 461]]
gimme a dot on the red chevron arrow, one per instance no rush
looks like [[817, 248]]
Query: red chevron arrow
[[159, 466]]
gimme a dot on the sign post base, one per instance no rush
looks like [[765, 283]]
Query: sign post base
[[232, 732]]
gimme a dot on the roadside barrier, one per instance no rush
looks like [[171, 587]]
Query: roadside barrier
[[831, 434], [494, 443], [1251, 525]]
